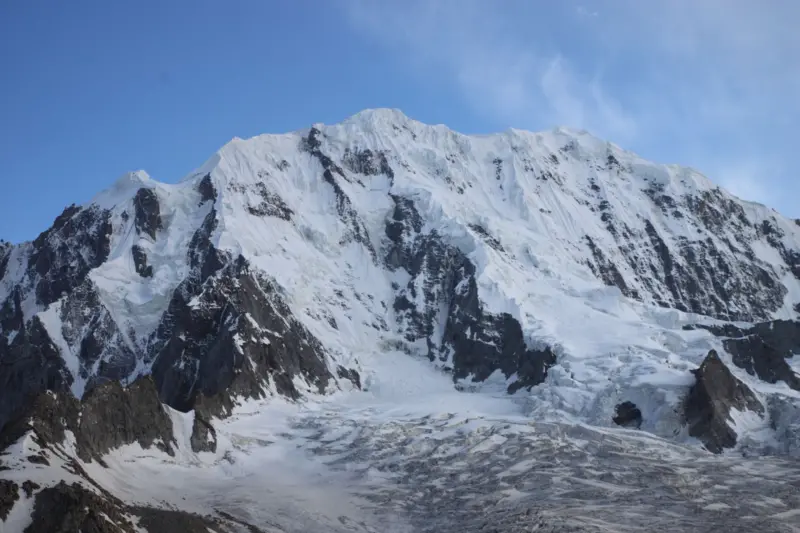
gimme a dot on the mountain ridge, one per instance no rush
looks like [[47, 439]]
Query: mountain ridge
[[383, 231], [398, 286]]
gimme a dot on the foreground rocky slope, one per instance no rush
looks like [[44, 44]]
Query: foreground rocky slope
[[551, 266]]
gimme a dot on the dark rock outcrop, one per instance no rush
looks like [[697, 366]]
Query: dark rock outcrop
[[156, 520], [68, 508], [271, 205], [11, 317], [95, 337], [112, 416], [56, 265], [348, 215], [5, 254], [715, 273], [48, 416], [65, 508], [204, 436], [367, 162], [108, 417], [626, 414], [206, 189], [147, 218], [29, 365], [478, 342], [140, 262], [9, 494], [62, 256], [29, 487], [607, 271], [763, 349], [349, 374], [710, 400], [236, 338]]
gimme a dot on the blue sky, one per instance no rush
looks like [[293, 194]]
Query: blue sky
[[92, 89]]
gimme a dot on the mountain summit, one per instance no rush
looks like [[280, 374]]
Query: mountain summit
[[550, 266]]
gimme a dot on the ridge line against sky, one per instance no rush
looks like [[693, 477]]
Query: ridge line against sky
[[95, 89]]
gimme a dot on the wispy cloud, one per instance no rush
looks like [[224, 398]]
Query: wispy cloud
[[499, 71], [712, 84]]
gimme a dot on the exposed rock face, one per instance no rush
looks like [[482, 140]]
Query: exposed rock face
[[367, 162], [763, 349], [95, 337], [67, 508], [237, 337], [30, 365], [710, 401], [109, 416], [207, 190], [627, 414], [61, 257], [168, 521], [715, 273], [53, 266], [344, 206], [48, 416], [28, 487], [271, 205], [9, 494], [5, 253], [475, 342], [147, 216], [140, 262], [349, 374], [74, 508], [112, 416], [204, 436]]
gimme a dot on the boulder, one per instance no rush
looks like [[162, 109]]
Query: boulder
[[710, 401], [626, 414]]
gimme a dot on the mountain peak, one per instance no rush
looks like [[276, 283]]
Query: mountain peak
[[123, 189], [379, 115]]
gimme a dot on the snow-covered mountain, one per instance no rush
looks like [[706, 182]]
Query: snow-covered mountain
[[555, 267]]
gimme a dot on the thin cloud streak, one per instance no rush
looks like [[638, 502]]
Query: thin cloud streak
[[709, 84], [494, 72]]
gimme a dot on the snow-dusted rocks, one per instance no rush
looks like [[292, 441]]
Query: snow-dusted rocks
[[235, 338], [5, 251], [9, 495], [147, 212], [108, 417], [73, 507], [440, 306], [763, 349], [139, 256], [712, 401]]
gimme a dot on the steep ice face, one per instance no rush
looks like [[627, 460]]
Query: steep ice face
[[290, 263]]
